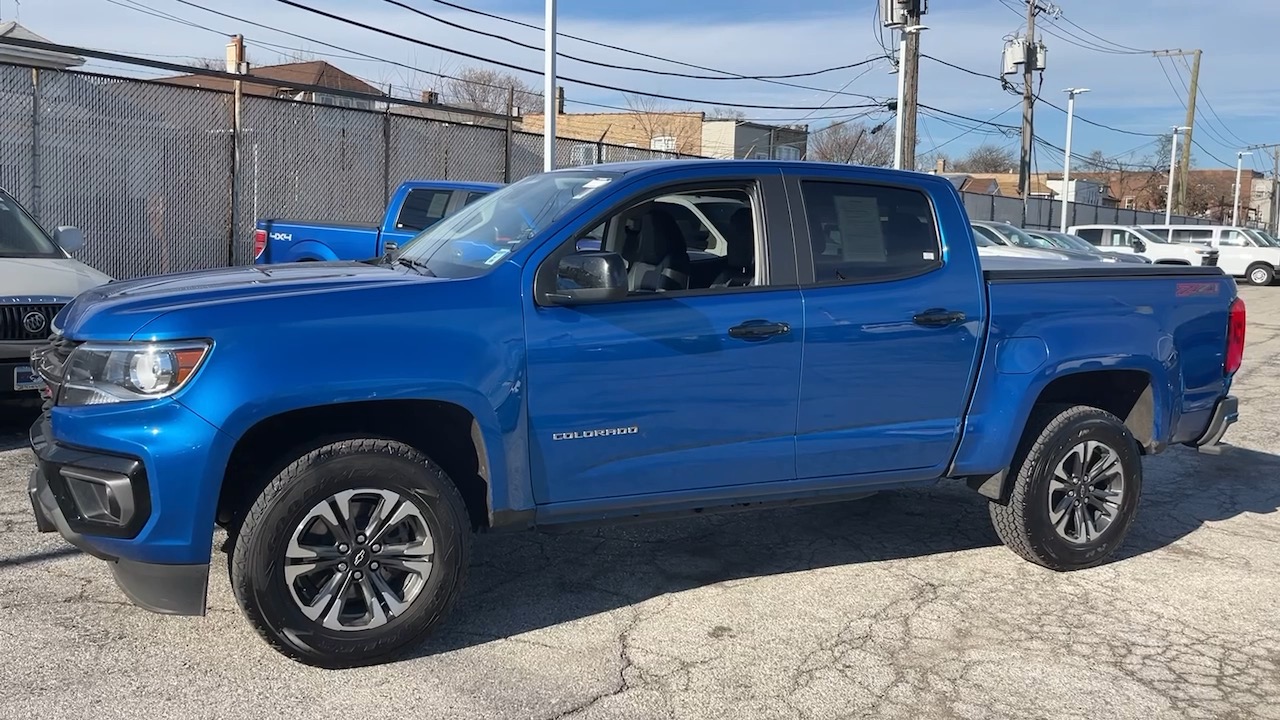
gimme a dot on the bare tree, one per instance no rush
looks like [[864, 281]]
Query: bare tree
[[206, 63], [488, 90], [724, 113], [668, 129], [852, 143], [988, 158]]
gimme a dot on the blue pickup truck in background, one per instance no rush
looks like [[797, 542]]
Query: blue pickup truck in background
[[415, 206], [834, 335]]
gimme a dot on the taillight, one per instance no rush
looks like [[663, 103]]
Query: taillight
[[1235, 337], [259, 242]]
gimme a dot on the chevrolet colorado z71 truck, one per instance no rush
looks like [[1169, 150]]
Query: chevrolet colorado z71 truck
[[351, 424], [415, 206]]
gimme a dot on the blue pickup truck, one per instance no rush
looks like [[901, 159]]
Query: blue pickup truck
[[415, 206], [842, 340]]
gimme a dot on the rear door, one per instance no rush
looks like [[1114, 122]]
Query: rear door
[[893, 326], [681, 388], [422, 208]]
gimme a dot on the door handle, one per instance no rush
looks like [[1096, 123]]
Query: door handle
[[938, 317], [758, 330]]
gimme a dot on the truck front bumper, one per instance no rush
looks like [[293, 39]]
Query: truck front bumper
[[102, 502], [1225, 414]]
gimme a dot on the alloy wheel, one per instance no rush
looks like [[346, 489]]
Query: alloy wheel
[[359, 559], [1086, 492]]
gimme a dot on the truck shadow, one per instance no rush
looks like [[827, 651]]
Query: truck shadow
[[16, 418], [528, 581]]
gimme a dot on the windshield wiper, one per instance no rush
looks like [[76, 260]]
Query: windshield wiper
[[416, 265]]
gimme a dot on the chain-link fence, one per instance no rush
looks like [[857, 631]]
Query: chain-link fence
[[147, 169], [1046, 214]]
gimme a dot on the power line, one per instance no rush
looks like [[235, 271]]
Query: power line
[[1004, 82], [1135, 51], [613, 66], [1205, 125], [147, 10], [512, 66], [629, 51], [973, 129]]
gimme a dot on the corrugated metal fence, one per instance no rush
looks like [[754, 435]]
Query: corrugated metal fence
[[146, 169]]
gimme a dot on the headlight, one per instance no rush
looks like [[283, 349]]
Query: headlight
[[100, 374]]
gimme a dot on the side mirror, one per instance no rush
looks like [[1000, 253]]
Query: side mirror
[[590, 277], [68, 238], [1139, 246]]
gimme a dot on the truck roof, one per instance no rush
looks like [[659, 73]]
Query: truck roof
[[452, 184]]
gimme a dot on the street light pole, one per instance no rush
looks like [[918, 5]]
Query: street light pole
[[1173, 166], [1066, 163], [1235, 205], [549, 104]]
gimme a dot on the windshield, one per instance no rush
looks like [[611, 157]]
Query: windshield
[[1071, 242], [980, 239], [1147, 235], [473, 240], [1262, 239], [1019, 237], [20, 236]]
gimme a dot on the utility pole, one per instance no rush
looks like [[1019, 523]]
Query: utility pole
[[1031, 63], [1173, 168], [910, 68], [1184, 160], [1273, 215], [904, 15], [235, 64]]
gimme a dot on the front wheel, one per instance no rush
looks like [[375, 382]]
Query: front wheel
[[354, 551], [1261, 274], [1077, 482]]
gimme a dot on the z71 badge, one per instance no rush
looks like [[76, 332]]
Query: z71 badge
[[602, 432]]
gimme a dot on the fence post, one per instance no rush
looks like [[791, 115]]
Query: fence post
[[37, 194], [506, 153], [237, 98], [386, 156]]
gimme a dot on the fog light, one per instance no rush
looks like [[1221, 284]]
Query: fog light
[[100, 496]]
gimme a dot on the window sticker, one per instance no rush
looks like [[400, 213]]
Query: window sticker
[[497, 257], [860, 228]]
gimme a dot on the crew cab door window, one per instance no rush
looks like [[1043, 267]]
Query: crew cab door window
[[1191, 235], [688, 383], [1093, 236], [423, 208], [890, 329]]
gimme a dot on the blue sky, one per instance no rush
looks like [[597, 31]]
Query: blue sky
[[1130, 92]]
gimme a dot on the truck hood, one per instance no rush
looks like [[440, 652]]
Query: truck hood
[[47, 277], [118, 310]]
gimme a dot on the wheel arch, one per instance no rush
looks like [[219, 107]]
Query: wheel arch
[[447, 432], [1129, 393]]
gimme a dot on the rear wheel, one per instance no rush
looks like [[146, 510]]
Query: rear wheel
[[1076, 489], [354, 551], [1261, 274]]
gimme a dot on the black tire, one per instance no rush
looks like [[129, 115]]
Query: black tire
[[258, 562], [1260, 274], [1024, 523]]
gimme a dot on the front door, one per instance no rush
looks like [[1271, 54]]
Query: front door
[[893, 328], [690, 382]]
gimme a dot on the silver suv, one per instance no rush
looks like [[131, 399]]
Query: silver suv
[[37, 277]]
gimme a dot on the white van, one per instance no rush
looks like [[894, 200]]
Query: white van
[[1241, 251], [1133, 239]]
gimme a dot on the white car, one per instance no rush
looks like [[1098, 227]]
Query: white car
[[990, 244], [37, 277], [1133, 239], [1242, 252]]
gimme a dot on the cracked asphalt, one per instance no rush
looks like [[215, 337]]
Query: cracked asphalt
[[900, 605]]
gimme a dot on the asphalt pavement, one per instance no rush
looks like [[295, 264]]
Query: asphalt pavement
[[900, 605]]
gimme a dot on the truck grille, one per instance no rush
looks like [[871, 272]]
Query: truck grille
[[28, 321], [1210, 260]]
